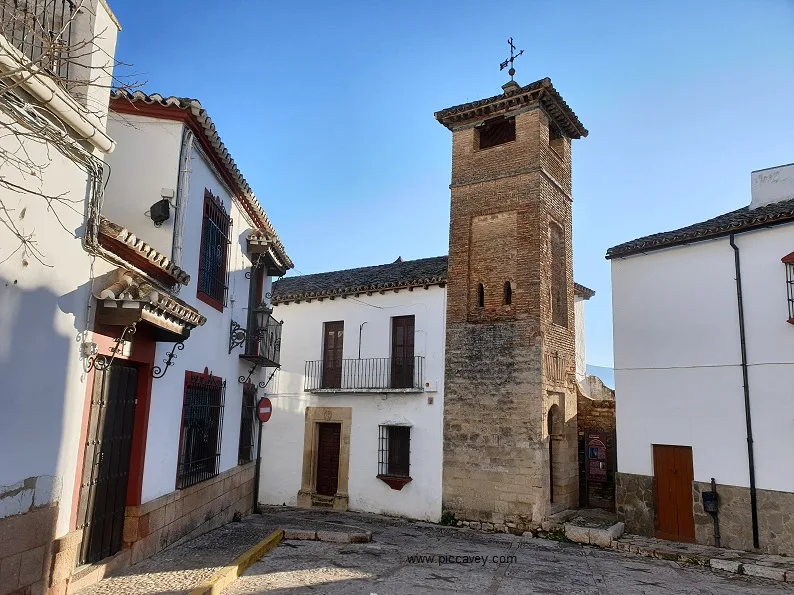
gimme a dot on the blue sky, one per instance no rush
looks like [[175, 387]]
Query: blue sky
[[327, 108]]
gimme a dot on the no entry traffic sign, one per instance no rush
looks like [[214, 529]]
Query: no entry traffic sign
[[264, 409]]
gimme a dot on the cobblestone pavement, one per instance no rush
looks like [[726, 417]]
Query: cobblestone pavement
[[383, 566], [182, 568], [507, 564]]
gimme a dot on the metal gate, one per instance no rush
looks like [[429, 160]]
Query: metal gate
[[106, 464]]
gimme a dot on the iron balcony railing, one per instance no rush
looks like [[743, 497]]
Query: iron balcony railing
[[41, 30], [263, 340], [370, 374]]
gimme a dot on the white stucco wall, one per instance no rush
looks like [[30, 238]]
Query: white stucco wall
[[677, 358], [581, 359], [145, 161], [282, 439], [42, 311], [207, 345]]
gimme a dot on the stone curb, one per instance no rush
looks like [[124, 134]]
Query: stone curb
[[733, 565], [329, 536], [228, 574]]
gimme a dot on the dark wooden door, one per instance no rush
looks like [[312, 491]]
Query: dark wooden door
[[402, 352], [106, 464], [332, 354], [673, 474], [328, 458]]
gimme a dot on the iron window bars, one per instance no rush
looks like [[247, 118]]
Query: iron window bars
[[213, 279], [202, 424], [788, 261], [367, 374], [41, 30], [249, 426], [394, 451]]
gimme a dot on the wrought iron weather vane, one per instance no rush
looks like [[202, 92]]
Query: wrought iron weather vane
[[510, 60]]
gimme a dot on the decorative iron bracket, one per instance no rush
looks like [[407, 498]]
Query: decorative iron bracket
[[263, 384], [158, 372], [102, 362], [255, 264], [244, 379], [237, 335]]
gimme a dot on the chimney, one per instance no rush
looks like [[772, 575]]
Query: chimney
[[771, 185]]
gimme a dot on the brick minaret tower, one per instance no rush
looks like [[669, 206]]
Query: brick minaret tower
[[510, 436]]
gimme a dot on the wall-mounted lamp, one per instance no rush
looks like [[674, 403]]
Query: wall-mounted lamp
[[161, 210]]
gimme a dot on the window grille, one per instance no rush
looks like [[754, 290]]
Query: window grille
[[41, 30], [788, 261], [394, 449], [202, 423], [249, 426], [213, 277]]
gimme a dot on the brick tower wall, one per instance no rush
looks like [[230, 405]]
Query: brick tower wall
[[508, 364]]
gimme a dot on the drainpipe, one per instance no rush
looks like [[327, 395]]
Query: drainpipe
[[360, 329], [747, 416]]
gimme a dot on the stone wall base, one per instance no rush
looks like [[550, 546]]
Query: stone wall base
[[184, 514], [148, 529], [636, 506], [26, 550], [635, 503], [775, 519]]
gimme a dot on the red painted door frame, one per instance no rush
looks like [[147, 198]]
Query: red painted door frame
[[142, 353]]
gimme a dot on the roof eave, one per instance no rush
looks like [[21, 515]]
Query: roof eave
[[613, 253]]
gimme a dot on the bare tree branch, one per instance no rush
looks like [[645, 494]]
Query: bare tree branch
[[50, 38]]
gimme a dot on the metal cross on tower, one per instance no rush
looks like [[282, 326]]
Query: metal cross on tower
[[512, 57]]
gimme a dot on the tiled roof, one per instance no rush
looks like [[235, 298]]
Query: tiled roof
[[582, 291], [129, 287], [408, 273], [743, 219], [398, 274], [157, 259], [194, 108], [514, 96]]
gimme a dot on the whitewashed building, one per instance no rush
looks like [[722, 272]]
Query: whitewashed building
[[53, 115], [704, 347], [193, 254], [145, 343], [358, 401]]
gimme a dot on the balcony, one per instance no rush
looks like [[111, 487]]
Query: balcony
[[261, 341], [370, 375], [42, 31]]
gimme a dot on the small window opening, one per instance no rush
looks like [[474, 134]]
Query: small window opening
[[497, 132], [555, 139], [394, 451], [480, 296], [508, 293]]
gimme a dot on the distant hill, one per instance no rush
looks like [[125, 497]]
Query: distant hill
[[607, 375]]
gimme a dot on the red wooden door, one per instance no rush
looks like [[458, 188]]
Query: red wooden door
[[328, 458], [402, 352], [332, 354], [673, 474]]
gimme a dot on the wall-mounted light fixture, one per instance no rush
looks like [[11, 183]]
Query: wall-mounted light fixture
[[161, 210]]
